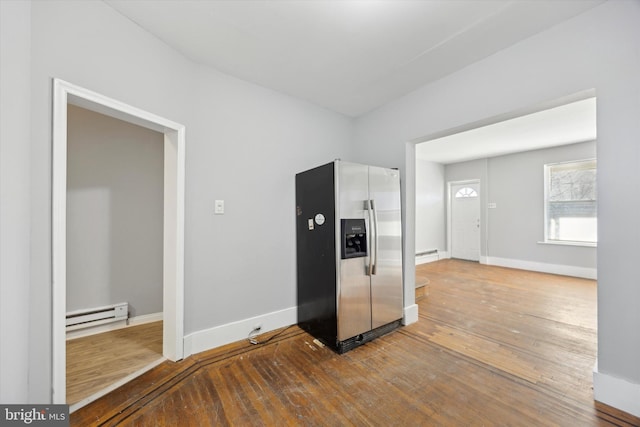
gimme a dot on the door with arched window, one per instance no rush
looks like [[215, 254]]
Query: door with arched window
[[465, 221]]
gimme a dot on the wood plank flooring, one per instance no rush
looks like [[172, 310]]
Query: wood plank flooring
[[493, 346], [97, 361]]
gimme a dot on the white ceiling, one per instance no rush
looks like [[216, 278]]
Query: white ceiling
[[349, 56], [566, 124]]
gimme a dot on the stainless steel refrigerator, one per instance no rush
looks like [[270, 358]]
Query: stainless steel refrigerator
[[349, 253]]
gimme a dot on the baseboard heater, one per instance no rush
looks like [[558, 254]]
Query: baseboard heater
[[97, 316], [431, 252]]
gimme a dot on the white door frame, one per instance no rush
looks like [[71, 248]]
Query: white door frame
[[450, 184], [65, 93]]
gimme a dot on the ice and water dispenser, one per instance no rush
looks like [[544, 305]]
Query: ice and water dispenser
[[354, 238]]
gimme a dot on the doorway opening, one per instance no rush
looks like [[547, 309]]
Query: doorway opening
[[115, 209], [510, 164], [66, 94], [484, 150]]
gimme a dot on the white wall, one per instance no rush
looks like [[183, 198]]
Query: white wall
[[114, 213], [15, 134], [243, 145], [430, 207], [599, 49]]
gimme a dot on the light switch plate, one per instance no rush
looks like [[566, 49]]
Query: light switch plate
[[219, 207]]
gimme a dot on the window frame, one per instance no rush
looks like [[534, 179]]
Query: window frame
[[547, 240], [470, 195]]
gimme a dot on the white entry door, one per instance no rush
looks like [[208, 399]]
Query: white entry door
[[465, 221]]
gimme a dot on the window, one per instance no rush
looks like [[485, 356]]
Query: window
[[466, 192], [570, 202]]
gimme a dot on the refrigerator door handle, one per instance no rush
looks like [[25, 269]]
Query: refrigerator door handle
[[370, 239], [374, 260]]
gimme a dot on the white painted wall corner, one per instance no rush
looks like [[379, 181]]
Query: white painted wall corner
[[410, 314]]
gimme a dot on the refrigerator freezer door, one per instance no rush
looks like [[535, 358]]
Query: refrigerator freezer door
[[354, 289], [354, 299], [386, 283], [353, 190]]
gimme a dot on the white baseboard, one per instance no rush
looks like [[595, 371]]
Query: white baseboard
[[425, 259], [616, 392], [410, 314], [145, 318], [565, 270], [132, 321], [236, 331]]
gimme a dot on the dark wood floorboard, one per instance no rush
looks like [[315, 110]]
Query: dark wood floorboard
[[493, 347]]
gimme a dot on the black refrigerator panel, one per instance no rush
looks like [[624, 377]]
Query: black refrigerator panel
[[316, 252]]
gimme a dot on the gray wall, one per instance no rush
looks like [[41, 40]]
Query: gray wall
[[253, 142], [599, 49], [244, 144], [430, 207], [15, 135], [516, 225], [515, 183], [114, 213]]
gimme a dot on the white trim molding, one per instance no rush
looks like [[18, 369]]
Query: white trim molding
[[616, 392], [146, 318], [564, 270], [425, 259], [65, 93], [410, 314], [217, 336]]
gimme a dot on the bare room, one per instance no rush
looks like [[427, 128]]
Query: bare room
[[183, 241]]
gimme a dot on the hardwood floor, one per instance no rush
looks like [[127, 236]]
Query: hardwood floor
[[493, 346], [97, 361]]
